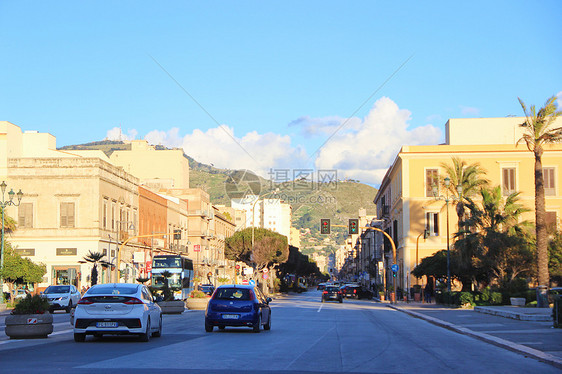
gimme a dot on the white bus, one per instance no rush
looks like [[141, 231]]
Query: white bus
[[181, 270]]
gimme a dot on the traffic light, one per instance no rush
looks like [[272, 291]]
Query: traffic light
[[353, 226], [394, 274], [177, 234], [324, 226]]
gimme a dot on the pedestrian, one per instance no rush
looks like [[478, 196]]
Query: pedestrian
[[427, 293]]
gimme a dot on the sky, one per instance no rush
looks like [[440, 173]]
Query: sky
[[269, 86]]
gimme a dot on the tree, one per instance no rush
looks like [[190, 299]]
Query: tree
[[20, 270], [9, 223], [469, 177], [95, 258], [493, 240], [555, 257], [238, 247], [538, 132], [434, 266]]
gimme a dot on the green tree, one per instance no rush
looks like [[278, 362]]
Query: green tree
[[493, 240], [95, 258], [469, 177], [9, 223], [238, 247], [538, 132], [20, 270], [434, 266], [555, 257]]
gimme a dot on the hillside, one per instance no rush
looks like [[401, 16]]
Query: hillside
[[338, 201]]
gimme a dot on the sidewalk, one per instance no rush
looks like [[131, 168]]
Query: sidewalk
[[528, 331]]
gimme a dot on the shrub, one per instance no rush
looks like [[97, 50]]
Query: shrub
[[198, 294], [495, 298], [557, 311], [31, 305], [465, 298]]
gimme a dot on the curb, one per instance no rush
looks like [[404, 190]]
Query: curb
[[514, 347], [512, 315]]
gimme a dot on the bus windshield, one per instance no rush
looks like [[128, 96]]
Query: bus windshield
[[166, 262], [174, 281]]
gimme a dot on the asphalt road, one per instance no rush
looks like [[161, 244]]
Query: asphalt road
[[358, 336]]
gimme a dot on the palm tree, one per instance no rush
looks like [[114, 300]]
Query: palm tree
[[95, 258], [537, 134], [469, 177]]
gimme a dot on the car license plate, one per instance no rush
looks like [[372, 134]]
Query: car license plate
[[230, 316], [106, 324]]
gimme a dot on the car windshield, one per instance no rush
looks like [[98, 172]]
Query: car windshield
[[332, 289], [233, 294], [57, 289], [113, 290]]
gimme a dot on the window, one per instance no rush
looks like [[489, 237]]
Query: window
[[25, 215], [431, 178], [508, 181], [432, 223], [66, 214], [549, 181], [104, 215]]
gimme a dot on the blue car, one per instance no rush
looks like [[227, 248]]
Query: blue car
[[238, 305]]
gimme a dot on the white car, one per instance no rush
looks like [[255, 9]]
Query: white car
[[61, 297], [117, 309]]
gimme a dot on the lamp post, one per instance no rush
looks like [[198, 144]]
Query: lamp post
[[4, 204], [130, 227], [447, 198]]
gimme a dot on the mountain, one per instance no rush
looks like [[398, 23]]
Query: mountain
[[338, 201]]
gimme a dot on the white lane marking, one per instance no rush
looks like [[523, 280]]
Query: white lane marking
[[319, 309]]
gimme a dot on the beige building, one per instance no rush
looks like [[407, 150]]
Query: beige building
[[405, 201], [74, 202], [156, 168]]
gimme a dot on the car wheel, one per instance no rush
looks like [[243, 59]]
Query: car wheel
[[208, 328], [267, 326], [146, 335], [69, 307], [341, 300], [257, 325], [79, 338], [158, 333]]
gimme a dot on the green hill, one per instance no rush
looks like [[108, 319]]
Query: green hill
[[338, 201]]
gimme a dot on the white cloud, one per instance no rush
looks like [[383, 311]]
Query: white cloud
[[116, 133], [471, 111], [366, 153], [171, 138], [559, 99], [323, 126]]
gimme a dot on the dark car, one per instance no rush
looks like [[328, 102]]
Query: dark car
[[321, 286], [332, 293], [356, 292], [206, 288], [238, 305]]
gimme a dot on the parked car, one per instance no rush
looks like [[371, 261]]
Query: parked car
[[20, 294], [238, 305], [206, 288], [321, 286], [356, 292], [332, 293], [117, 309], [61, 297], [553, 292]]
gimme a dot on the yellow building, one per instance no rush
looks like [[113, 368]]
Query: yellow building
[[156, 168], [405, 200]]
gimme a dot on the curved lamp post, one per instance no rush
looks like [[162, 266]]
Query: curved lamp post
[[4, 204], [447, 198]]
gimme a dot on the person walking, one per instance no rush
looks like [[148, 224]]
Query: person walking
[[427, 291]]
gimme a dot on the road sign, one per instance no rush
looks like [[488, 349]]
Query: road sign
[[265, 270], [265, 276], [394, 267], [197, 248], [32, 321], [252, 282], [245, 281], [149, 266]]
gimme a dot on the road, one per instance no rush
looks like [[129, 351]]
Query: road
[[357, 336]]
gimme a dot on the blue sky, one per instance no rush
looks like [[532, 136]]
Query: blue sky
[[270, 82]]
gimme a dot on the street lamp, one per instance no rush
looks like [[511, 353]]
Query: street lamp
[[131, 227], [4, 204], [447, 198]]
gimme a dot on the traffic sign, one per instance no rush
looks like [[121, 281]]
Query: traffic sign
[[265, 270], [394, 267], [197, 248], [265, 276], [245, 281], [252, 282]]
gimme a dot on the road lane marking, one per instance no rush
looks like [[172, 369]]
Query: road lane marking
[[319, 309]]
